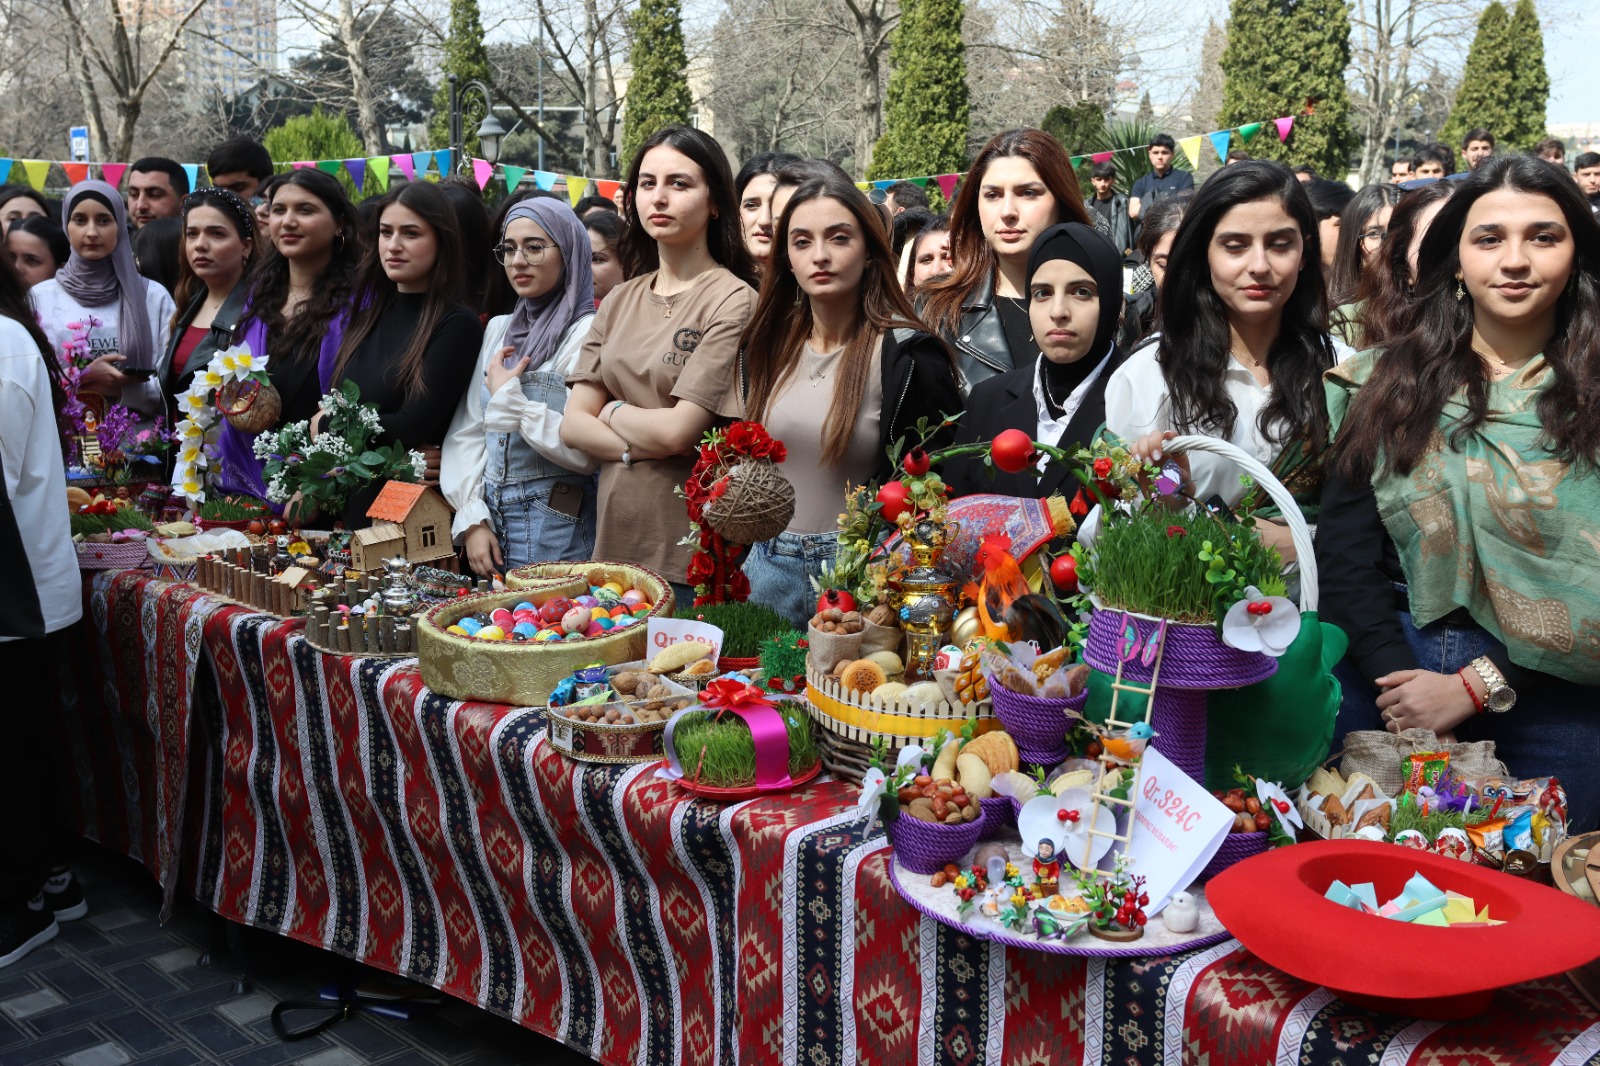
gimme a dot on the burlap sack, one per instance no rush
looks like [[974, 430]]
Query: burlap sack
[[828, 648], [1381, 756], [880, 638]]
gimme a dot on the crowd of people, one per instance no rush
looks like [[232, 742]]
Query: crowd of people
[[558, 365]]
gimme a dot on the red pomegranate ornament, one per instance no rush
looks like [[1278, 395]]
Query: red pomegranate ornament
[[836, 598], [916, 462], [1064, 572], [896, 500], [1012, 451]]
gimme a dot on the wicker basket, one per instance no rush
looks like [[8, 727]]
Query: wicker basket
[[249, 406], [123, 555], [1038, 725], [756, 505], [601, 742], [851, 723], [927, 847], [1236, 847]]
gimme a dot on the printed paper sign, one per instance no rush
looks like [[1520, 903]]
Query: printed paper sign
[[1178, 827], [665, 632]]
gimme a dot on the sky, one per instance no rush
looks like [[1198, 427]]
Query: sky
[[1572, 96]]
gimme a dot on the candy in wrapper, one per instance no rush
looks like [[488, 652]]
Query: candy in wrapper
[[1423, 768], [1488, 837], [1519, 833], [1411, 838]]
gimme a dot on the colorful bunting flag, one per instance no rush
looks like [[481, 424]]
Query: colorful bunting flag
[[5, 170], [192, 172], [302, 164], [1219, 143], [407, 165], [576, 187], [329, 166], [1284, 126], [1077, 161], [358, 171], [1191, 149], [37, 170], [513, 176], [111, 173], [482, 171], [921, 183], [545, 180], [1102, 157], [883, 184], [864, 186], [419, 164], [947, 184], [1248, 131], [443, 160], [378, 167], [608, 189], [76, 172]]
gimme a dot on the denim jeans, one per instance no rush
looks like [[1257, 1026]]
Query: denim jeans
[[530, 531], [780, 572], [1553, 731]]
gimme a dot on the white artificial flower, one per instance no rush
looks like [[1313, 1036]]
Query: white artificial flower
[[419, 465], [195, 490], [1267, 624], [193, 454], [873, 785], [189, 429]]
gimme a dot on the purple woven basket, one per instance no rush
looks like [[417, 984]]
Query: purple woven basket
[[926, 847], [998, 816], [1236, 847], [1194, 656], [1039, 726]]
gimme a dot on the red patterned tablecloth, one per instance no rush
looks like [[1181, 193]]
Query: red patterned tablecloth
[[339, 802]]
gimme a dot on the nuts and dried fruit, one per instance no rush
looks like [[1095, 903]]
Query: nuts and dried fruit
[[937, 801], [833, 620]]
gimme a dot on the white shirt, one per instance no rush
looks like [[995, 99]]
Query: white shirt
[[55, 309], [36, 476], [1052, 429], [466, 446], [1137, 403]]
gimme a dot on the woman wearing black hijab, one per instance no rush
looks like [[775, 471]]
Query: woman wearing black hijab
[[1074, 305]]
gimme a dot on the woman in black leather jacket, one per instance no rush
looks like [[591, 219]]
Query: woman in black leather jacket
[[1020, 185]]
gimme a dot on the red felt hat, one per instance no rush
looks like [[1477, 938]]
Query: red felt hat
[[1274, 904]]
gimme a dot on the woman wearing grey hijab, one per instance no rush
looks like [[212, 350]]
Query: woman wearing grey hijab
[[520, 495], [99, 300]]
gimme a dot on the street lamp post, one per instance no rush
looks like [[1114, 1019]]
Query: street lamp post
[[490, 133]]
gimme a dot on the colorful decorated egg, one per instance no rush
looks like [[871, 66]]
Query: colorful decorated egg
[[633, 596], [491, 633], [613, 586], [525, 605], [554, 609], [524, 630], [625, 620], [599, 612], [502, 618], [576, 620], [458, 631], [471, 625], [587, 601]]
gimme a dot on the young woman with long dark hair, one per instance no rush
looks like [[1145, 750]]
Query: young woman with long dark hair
[[1020, 184], [407, 346], [1462, 510], [1244, 340], [605, 229], [301, 296], [38, 248], [659, 364], [837, 365], [1074, 306], [1381, 310], [930, 254], [218, 241], [1362, 228], [102, 283], [520, 495], [755, 182], [1157, 231]]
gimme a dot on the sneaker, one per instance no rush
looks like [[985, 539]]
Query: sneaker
[[24, 928], [64, 896]]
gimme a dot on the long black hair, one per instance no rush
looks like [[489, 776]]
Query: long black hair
[[47, 230], [446, 282], [1398, 409], [475, 239], [1348, 261], [300, 337], [15, 306], [1195, 342], [723, 238]]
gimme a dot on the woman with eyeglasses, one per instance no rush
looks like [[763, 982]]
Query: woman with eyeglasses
[[520, 495], [1385, 294], [1362, 226]]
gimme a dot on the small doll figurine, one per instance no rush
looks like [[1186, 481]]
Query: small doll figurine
[[1046, 867]]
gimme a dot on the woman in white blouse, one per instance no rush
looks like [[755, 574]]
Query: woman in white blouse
[[521, 496], [1244, 344]]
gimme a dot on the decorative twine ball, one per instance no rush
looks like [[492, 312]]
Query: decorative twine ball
[[250, 407], [756, 503]]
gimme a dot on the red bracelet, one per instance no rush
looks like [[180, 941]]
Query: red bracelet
[[1471, 694]]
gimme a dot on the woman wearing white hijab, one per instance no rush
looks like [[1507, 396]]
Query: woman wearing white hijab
[[101, 290], [520, 495]]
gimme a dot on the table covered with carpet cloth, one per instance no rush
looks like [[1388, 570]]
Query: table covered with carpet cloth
[[338, 801]]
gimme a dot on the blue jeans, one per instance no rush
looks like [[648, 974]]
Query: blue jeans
[[531, 531], [780, 572], [1553, 731]]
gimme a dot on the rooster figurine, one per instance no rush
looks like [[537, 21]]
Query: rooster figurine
[[1126, 746], [1002, 584]]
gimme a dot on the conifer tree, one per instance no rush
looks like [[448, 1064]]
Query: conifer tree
[[1488, 81], [926, 116], [466, 57], [1531, 81], [658, 93]]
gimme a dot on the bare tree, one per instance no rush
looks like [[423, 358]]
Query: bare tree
[[357, 84]]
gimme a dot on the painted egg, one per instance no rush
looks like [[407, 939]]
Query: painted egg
[[613, 586], [458, 631], [502, 618], [605, 623], [575, 620], [625, 620], [642, 610], [524, 630], [594, 630], [470, 625], [599, 612], [587, 601], [545, 635], [618, 611], [491, 633], [525, 605], [633, 596], [530, 617], [573, 636], [553, 609]]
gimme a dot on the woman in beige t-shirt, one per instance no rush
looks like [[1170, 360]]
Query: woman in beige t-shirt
[[659, 365]]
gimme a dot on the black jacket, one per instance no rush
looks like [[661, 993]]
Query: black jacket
[[982, 351], [1006, 402], [221, 336], [1120, 228]]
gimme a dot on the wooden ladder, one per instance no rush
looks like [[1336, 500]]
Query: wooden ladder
[[1149, 653]]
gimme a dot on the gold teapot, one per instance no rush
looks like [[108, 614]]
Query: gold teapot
[[925, 597]]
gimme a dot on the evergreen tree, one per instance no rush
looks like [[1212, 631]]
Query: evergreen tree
[[658, 94], [1281, 56], [1488, 81], [318, 136], [1531, 81], [1147, 111], [926, 112], [466, 57]]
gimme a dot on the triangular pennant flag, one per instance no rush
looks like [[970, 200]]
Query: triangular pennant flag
[[443, 160], [378, 167], [358, 171], [110, 173], [1191, 149], [883, 184], [513, 176], [37, 170], [1102, 157], [1284, 126], [544, 179], [192, 172], [608, 189], [482, 170], [329, 166], [576, 187], [1077, 161], [5, 170], [921, 183], [407, 166], [1248, 131], [419, 163], [947, 184], [76, 172], [864, 185], [302, 164], [1219, 143]]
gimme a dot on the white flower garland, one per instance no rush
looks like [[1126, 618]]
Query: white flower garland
[[198, 412]]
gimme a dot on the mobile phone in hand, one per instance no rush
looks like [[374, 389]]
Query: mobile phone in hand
[[137, 373]]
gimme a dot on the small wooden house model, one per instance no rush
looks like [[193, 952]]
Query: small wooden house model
[[410, 520]]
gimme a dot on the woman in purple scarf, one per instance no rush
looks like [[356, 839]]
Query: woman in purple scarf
[[301, 295]]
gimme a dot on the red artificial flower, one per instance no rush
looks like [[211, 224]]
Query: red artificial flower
[[1102, 467], [718, 490], [779, 453], [1078, 506], [741, 435], [1177, 531], [700, 567]]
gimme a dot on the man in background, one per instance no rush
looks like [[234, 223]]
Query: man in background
[[1552, 150], [1586, 170], [156, 188], [1163, 181], [904, 195], [1433, 161], [1111, 206], [239, 165], [1477, 146], [1400, 171]]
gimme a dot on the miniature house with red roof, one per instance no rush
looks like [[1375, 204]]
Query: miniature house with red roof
[[407, 519]]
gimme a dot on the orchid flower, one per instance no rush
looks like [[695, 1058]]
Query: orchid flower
[[1267, 624], [873, 785], [1275, 799]]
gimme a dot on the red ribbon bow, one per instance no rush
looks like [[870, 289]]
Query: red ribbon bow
[[726, 693]]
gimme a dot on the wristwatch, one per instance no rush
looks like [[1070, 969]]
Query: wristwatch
[[1502, 697]]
